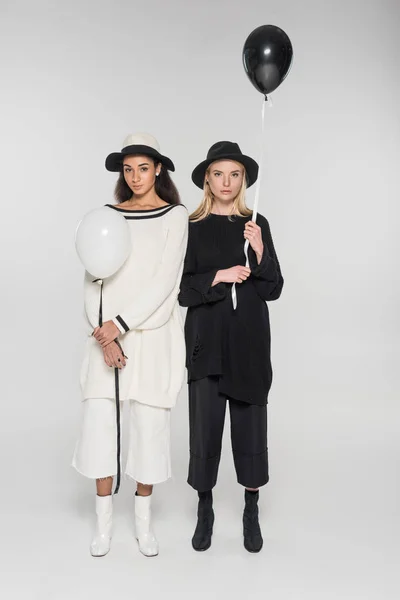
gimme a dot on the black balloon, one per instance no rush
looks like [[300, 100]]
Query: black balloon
[[267, 56]]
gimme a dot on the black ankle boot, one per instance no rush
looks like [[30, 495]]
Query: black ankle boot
[[253, 541], [201, 539]]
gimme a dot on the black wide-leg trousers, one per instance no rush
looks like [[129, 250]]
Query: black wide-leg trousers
[[248, 436]]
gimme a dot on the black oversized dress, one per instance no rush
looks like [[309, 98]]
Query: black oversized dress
[[231, 344]]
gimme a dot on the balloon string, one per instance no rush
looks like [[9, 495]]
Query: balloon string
[[268, 100], [258, 184], [257, 194], [117, 399]]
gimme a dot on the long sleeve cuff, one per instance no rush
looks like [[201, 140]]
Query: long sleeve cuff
[[202, 283], [260, 270], [120, 323], [198, 289], [216, 293]]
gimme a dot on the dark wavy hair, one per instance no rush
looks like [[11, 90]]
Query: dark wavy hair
[[164, 186]]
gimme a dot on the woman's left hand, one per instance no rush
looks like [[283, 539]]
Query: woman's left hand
[[106, 334], [252, 232]]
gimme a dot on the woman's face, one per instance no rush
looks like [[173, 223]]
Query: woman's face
[[140, 173], [225, 179]]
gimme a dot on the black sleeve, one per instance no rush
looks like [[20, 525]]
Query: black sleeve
[[196, 287], [266, 276]]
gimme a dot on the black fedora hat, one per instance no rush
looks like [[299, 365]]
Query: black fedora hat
[[225, 151], [138, 143]]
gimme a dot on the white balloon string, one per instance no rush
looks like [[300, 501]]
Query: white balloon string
[[266, 100]]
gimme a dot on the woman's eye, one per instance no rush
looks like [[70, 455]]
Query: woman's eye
[[144, 169], [235, 174]]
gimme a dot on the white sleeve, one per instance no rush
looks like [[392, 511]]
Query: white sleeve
[[153, 306]]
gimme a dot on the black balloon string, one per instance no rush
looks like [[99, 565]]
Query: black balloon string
[[118, 418], [117, 399]]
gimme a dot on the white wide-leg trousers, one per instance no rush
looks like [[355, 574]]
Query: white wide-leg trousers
[[149, 458]]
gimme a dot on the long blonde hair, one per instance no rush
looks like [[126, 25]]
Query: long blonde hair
[[239, 204]]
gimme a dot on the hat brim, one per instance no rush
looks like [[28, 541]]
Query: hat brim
[[249, 164], [115, 160]]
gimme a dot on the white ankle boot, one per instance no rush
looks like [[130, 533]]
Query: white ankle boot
[[148, 544], [102, 539]]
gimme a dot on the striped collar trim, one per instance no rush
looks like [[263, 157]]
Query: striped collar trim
[[143, 214], [137, 211]]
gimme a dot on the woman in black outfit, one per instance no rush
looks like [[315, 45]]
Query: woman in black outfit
[[228, 349]]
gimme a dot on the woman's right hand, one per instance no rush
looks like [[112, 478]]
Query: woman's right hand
[[113, 356], [236, 274]]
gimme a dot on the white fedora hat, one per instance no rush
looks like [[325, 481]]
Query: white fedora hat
[[138, 143]]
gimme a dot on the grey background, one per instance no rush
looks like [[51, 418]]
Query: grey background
[[76, 78]]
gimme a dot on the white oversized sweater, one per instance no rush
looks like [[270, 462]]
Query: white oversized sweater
[[141, 299]]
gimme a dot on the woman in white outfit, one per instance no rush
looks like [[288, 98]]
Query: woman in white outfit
[[141, 335]]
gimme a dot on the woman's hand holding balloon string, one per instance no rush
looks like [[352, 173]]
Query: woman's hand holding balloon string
[[252, 232], [114, 356], [107, 337], [106, 334], [236, 274]]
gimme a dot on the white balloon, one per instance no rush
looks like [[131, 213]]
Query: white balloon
[[103, 242]]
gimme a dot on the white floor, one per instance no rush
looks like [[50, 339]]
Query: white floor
[[329, 516]]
